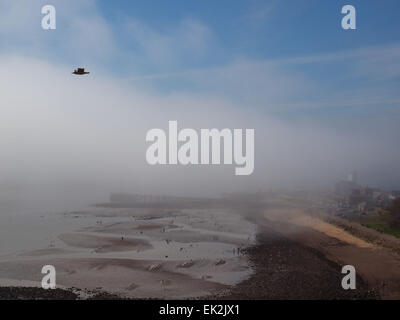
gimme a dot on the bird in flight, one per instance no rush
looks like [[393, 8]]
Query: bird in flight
[[80, 71]]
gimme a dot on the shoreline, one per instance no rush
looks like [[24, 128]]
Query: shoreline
[[377, 266], [276, 276], [295, 256], [140, 253], [289, 270]]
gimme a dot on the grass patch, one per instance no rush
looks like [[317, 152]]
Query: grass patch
[[381, 224]]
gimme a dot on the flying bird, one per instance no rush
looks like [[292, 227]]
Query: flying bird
[[80, 71]]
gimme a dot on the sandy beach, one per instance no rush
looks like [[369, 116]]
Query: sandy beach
[[276, 250], [141, 253]]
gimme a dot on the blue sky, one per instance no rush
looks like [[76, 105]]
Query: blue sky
[[225, 31], [288, 58], [263, 31], [254, 29], [270, 29]]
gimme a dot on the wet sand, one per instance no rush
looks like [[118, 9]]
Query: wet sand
[[142, 253]]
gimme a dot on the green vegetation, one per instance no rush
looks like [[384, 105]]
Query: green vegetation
[[382, 223]]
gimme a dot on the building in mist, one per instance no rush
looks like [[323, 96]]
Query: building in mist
[[346, 187], [352, 177]]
